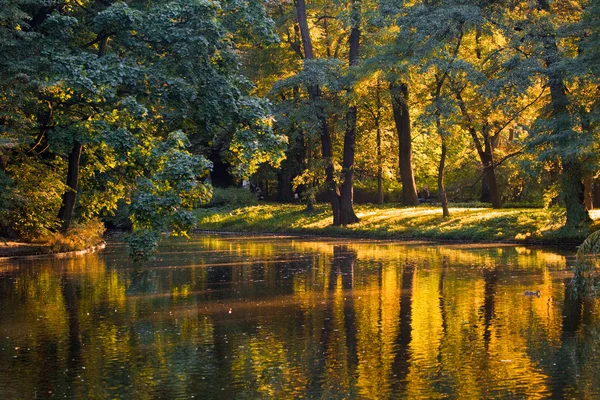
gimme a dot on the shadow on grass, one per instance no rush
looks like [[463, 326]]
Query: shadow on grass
[[388, 221]]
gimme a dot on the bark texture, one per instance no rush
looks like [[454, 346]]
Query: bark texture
[[399, 95]]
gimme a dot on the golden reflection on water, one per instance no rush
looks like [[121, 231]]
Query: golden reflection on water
[[266, 317]]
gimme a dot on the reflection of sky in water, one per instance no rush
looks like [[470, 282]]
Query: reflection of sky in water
[[234, 317]]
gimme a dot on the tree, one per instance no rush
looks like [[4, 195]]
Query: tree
[[341, 199], [347, 215], [105, 86], [562, 131]]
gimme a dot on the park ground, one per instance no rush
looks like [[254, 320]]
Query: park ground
[[468, 224]]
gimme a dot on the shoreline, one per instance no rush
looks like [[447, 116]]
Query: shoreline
[[59, 255], [401, 240]]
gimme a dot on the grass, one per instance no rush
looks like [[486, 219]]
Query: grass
[[521, 225]]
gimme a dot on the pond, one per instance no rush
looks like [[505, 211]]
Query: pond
[[279, 317]]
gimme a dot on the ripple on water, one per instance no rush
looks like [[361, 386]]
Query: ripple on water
[[234, 317]]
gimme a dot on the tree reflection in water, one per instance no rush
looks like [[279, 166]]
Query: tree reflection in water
[[235, 317]]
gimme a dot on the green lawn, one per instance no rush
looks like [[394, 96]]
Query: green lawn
[[390, 221]]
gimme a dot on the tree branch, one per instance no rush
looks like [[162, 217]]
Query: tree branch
[[518, 113]]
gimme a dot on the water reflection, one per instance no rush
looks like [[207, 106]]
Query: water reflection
[[233, 317]]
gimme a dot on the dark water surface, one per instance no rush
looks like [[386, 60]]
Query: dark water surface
[[269, 317]]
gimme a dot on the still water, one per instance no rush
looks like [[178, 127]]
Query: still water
[[274, 317]]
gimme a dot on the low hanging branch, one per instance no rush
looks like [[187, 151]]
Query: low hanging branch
[[496, 165]]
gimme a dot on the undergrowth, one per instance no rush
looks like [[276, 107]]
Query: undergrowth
[[79, 237]]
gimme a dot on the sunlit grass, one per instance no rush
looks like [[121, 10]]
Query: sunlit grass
[[389, 221]]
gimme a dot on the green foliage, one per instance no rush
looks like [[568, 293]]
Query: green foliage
[[255, 143], [118, 77], [164, 200], [365, 191], [143, 244], [30, 196], [232, 197]]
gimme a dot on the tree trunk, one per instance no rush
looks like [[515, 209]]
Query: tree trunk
[[65, 214], [588, 182], [347, 215], [304, 32], [399, 95], [285, 193], [572, 172], [331, 186], [314, 93], [67, 210], [310, 199], [489, 175], [596, 192], [379, 166], [441, 189], [441, 169], [486, 196], [377, 118], [574, 195]]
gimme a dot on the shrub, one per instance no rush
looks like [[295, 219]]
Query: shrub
[[79, 237], [232, 197], [30, 200]]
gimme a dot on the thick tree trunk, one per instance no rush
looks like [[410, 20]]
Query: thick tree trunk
[[332, 189], [486, 196], [285, 193], [331, 186], [347, 215], [304, 31], [67, 209], [399, 95], [596, 192], [573, 191], [572, 172], [489, 176]]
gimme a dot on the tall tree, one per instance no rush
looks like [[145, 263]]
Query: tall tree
[[399, 95], [563, 129], [107, 117], [347, 215]]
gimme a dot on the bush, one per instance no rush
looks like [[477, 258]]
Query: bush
[[31, 195], [79, 237], [232, 197], [524, 204]]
